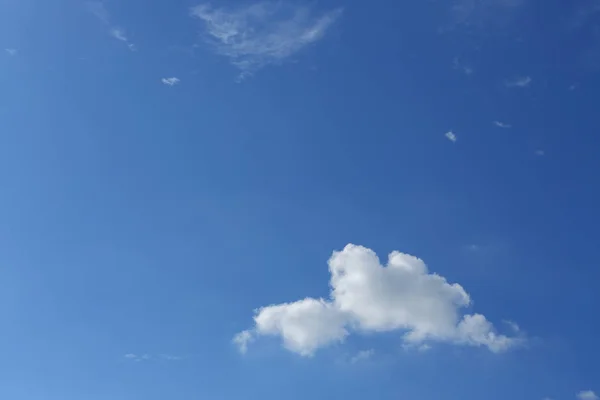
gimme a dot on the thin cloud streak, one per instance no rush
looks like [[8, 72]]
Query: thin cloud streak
[[11, 52], [137, 358], [502, 125], [522, 82], [98, 9]]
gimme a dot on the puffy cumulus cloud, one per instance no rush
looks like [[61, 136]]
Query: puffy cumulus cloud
[[255, 35], [366, 296], [304, 325]]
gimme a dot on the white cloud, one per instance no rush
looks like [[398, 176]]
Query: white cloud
[[11, 52], [362, 356], [371, 298], [522, 81], [242, 339], [587, 395], [256, 35], [451, 136], [502, 125], [170, 81], [540, 153], [118, 34], [304, 325]]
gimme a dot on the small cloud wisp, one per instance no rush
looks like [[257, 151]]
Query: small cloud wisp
[[502, 125], [521, 82], [98, 9], [170, 81], [451, 136]]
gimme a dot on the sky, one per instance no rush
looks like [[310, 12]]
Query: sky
[[299, 199]]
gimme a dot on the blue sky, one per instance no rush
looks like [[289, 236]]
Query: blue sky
[[334, 198]]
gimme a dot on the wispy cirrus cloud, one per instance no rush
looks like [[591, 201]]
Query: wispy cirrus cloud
[[11, 52], [522, 81], [98, 9], [170, 81], [265, 33]]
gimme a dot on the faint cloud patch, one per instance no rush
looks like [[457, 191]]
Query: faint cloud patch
[[460, 66], [11, 52], [362, 355], [484, 13], [137, 358], [242, 339], [540, 153], [265, 33], [98, 9], [118, 34], [170, 81], [522, 81], [451, 136], [147, 357], [512, 325], [170, 357], [502, 125], [587, 395]]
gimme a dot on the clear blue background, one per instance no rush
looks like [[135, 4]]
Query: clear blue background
[[141, 218]]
